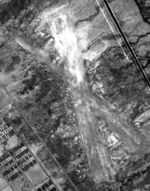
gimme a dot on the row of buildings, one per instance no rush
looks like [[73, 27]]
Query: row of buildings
[[12, 164], [47, 186], [16, 161], [5, 133]]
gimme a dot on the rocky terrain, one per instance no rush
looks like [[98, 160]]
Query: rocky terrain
[[71, 90]]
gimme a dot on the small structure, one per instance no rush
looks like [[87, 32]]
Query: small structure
[[47, 186]]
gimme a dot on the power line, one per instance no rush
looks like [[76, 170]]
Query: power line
[[41, 165], [23, 139], [34, 131], [135, 59]]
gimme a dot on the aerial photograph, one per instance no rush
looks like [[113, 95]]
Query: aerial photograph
[[74, 95]]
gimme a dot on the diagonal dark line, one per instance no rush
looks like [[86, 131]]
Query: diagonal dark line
[[39, 163], [23, 139], [2, 85], [135, 59]]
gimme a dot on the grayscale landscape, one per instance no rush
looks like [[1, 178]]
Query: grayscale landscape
[[74, 95]]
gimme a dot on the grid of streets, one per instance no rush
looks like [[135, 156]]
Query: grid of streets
[[18, 164]]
